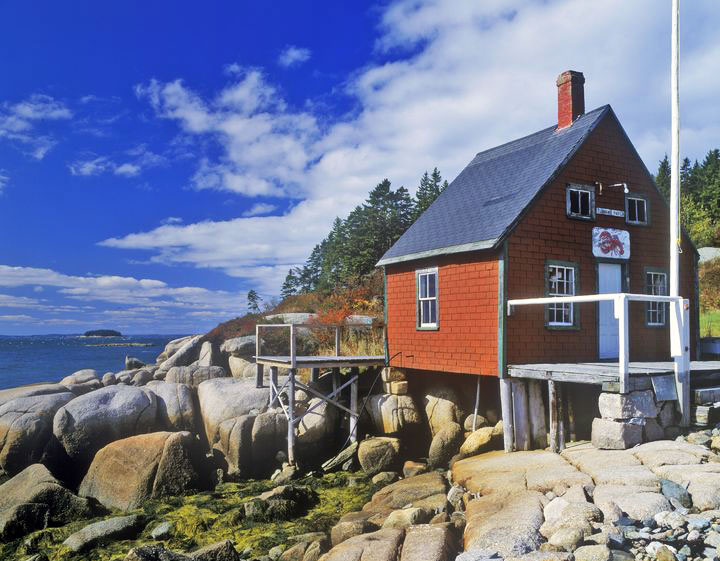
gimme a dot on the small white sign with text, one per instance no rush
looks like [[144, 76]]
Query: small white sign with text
[[610, 212]]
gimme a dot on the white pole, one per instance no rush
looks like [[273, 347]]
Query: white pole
[[675, 164]]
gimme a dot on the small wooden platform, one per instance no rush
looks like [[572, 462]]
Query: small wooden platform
[[606, 373], [321, 361]]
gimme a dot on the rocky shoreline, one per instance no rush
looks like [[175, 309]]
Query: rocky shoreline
[[183, 459]]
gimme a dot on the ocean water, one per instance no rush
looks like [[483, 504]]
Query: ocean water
[[49, 358]]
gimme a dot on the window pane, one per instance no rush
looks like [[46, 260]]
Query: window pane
[[425, 311], [574, 202], [431, 285], [433, 311], [423, 285], [585, 203], [641, 211]]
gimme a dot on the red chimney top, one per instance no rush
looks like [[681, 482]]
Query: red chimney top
[[571, 97]]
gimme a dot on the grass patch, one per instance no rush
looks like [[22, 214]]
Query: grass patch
[[710, 323], [207, 518]]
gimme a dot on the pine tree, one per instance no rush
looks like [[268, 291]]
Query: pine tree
[[662, 179], [430, 187], [253, 302], [291, 286]]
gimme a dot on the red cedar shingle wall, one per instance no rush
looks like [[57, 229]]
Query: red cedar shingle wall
[[546, 233], [466, 341]]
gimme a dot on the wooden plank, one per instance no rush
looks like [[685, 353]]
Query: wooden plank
[[520, 415], [314, 374], [259, 368], [507, 414], [553, 408], [704, 396], [273, 385], [536, 407], [561, 376]]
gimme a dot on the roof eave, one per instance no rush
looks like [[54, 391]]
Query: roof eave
[[461, 248]]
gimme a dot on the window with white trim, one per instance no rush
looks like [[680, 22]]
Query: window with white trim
[[656, 284], [580, 202], [636, 210], [560, 282], [427, 301]]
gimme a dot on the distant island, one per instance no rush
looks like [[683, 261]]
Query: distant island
[[102, 333]]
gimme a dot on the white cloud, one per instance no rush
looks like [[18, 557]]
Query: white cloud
[[172, 220], [259, 209], [293, 56], [16, 318], [127, 169], [4, 180], [142, 158], [456, 77], [266, 147], [115, 295], [18, 122]]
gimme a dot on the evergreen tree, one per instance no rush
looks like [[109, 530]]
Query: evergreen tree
[[253, 302], [662, 179], [430, 187], [291, 286]]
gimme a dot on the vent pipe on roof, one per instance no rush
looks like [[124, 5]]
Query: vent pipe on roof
[[571, 97]]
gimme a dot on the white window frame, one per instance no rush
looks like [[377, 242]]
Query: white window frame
[[570, 289], [423, 276], [581, 189], [636, 199], [656, 312]]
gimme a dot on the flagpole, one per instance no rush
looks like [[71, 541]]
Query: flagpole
[[675, 163]]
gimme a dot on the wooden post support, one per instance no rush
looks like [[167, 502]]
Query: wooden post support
[[682, 362], [335, 380], [274, 386], [337, 340], [538, 428], [571, 418], [314, 374], [561, 417], [291, 417], [507, 414], [553, 409], [621, 313], [355, 373], [520, 415], [259, 373]]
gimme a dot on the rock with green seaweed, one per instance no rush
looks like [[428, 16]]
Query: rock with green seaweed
[[209, 518]]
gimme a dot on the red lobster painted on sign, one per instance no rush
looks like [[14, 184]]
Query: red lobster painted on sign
[[610, 243]]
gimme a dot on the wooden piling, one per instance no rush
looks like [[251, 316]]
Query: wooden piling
[[314, 374], [354, 415], [259, 372], [507, 414], [553, 409], [274, 386], [561, 417], [536, 408], [520, 415], [291, 417]]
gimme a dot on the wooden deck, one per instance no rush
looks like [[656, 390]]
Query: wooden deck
[[606, 373], [321, 361]]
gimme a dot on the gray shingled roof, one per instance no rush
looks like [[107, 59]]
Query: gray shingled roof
[[483, 204]]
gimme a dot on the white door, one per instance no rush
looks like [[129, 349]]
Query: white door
[[609, 281]]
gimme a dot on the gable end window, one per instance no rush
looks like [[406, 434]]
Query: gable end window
[[561, 280], [656, 284], [427, 298], [636, 210], [580, 202]]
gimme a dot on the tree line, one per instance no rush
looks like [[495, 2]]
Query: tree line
[[700, 196], [356, 243]]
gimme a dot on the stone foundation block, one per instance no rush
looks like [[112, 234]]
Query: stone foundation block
[[391, 374], [396, 388], [615, 435], [625, 406]]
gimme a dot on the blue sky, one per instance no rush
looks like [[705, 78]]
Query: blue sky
[[159, 159]]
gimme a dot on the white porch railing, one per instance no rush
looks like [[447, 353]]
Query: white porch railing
[[679, 334]]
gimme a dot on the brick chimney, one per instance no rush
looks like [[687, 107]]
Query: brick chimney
[[571, 97]]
